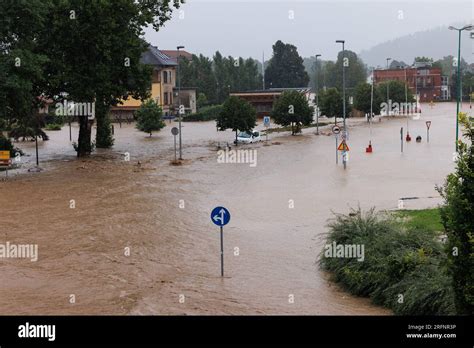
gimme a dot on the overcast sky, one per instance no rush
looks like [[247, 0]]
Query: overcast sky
[[248, 27]]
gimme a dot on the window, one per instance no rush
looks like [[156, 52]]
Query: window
[[169, 78], [165, 77], [165, 96]]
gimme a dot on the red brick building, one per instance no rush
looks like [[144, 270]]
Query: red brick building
[[425, 81]]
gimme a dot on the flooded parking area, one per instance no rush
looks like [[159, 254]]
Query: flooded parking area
[[135, 237]]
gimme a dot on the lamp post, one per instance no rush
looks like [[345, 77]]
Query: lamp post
[[179, 106], [466, 27], [343, 83], [388, 88], [317, 96]]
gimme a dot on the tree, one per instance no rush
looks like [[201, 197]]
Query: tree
[[356, 72], [331, 103], [95, 49], [22, 65], [149, 117], [363, 98], [238, 115], [457, 217], [201, 100], [285, 69], [292, 108], [396, 92]]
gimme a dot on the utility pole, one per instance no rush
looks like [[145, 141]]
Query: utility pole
[[179, 106], [317, 96], [343, 83], [467, 27], [388, 88], [263, 69]]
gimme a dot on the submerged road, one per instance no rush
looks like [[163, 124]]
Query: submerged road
[[279, 208]]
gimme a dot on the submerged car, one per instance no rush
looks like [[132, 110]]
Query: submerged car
[[248, 137]]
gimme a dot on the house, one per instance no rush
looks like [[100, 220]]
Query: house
[[163, 84], [263, 100], [422, 79], [186, 96], [174, 54]]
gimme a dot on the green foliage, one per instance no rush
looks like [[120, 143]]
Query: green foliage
[[457, 217], [396, 92], [216, 77], [21, 62], [363, 99], [356, 72], [53, 127], [238, 115], [201, 101], [149, 117], [27, 128], [207, 113], [428, 219], [292, 109], [330, 101], [6, 145], [285, 69], [398, 260], [95, 56]]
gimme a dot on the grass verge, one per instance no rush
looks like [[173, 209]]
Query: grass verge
[[404, 264]]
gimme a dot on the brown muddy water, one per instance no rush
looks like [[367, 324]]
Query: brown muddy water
[[174, 250]]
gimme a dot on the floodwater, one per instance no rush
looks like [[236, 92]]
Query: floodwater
[[161, 213]]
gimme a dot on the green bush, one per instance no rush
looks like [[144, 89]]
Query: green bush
[[53, 127], [410, 262], [207, 113]]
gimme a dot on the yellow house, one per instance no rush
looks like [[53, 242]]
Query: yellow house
[[163, 82]]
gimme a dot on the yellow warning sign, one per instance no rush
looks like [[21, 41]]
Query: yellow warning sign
[[343, 146], [4, 155]]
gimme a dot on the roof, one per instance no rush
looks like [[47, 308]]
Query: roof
[[271, 91], [174, 54], [153, 56]]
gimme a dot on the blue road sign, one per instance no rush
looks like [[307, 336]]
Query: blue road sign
[[220, 216], [266, 121]]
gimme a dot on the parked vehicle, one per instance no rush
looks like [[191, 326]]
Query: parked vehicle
[[248, 137]]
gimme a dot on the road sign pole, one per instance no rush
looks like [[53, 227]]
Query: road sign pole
[[344, 154], [401, 138], [222, 251], [220, 216], [37, 158], [428, 135], [175, 148], [337, 140]]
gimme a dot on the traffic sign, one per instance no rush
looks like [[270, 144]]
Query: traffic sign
[[428, 124], [220, 216], [343, 146], [266, 121], [336, 130], [4, 155], [174, 131]]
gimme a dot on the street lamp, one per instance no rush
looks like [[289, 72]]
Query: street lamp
[[179, 105], [469, 28], [343, 83], [388, 83], [317, 96]]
